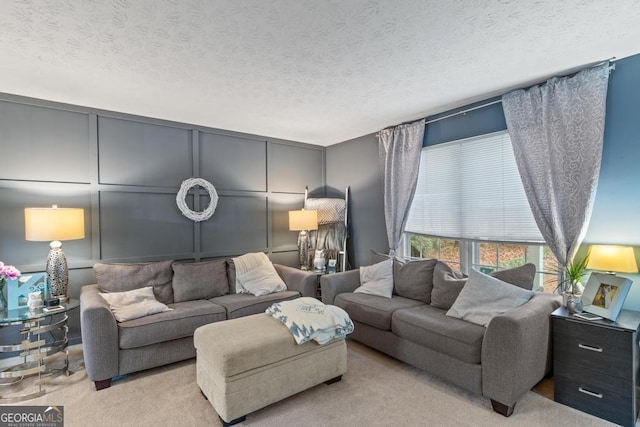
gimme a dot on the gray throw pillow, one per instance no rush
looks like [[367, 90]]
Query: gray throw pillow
[[484, 297], [199, 280], [520, 276], [126, 277], [231, 275], [414, 279], [447, 284]]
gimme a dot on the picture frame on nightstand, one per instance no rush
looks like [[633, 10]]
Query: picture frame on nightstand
[[18, 289], [604, 294]]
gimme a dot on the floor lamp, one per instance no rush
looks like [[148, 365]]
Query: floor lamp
[[55, 224], [303, 221]]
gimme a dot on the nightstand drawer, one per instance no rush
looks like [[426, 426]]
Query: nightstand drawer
[[597, 395], [600, 349]]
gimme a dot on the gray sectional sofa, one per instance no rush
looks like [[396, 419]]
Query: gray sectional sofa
[[197, 293], [501, 361]]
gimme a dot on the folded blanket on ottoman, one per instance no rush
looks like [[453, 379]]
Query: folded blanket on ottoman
[[309, 319]]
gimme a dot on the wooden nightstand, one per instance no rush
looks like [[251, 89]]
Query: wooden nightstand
[[596, 365]]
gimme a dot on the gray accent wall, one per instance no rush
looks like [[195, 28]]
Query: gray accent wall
[[125, 172], [354, 163]]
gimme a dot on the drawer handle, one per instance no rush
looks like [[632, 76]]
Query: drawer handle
[[590, 347], [590, 393]]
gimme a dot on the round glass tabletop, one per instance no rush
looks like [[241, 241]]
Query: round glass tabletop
[[8, 317]]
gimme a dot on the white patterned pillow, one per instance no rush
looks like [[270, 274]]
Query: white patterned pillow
[[483, 297], [130, 305], [329, 210], [262, 280], [377, 279]]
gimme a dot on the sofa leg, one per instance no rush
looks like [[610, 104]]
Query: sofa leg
[[103, 384], [502, 409], [232, 422], [333, 380]]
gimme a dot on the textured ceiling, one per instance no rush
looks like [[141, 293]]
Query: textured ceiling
[[321, 71]]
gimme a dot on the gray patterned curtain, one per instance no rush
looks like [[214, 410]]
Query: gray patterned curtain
[[399, 154], [556, 130]]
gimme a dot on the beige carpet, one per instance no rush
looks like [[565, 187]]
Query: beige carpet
[[376, 391]]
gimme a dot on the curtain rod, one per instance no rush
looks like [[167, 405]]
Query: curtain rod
[[463, 111], [498, 101]]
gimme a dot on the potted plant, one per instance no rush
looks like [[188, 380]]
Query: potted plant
[[571, 284]]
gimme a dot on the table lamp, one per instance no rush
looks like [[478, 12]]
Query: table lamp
[[303, 221], [612, 259], [55, 224]]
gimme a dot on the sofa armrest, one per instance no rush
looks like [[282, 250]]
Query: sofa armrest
[[516, 350], [338, 283], [99, 335], [305, 282]]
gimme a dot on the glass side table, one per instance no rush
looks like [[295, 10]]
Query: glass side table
[[34, 351]]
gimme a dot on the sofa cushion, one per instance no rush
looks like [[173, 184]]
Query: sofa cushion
[[521, 276], [377, 279], [180, 322], [447, 284], [432, 328], [371, 309], [484, 297], [199, 280], [125, 277], [238, 305], [411, 278], [132, 304]]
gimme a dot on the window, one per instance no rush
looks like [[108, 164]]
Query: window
[[487, 257], [471, 189], [470, 210]]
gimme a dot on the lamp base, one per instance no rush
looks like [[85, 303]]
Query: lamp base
[[57, 271], [303, 250]]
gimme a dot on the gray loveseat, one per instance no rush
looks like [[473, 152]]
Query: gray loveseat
[[197, 293], [501, 361]]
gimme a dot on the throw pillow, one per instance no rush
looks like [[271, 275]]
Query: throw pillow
[[520, 276], [377, 279], [133, 304], [414, 279], [199, 280], [245, 263], [411, 278], [447, 284], [262, 280], [126, 277], [484, 297]]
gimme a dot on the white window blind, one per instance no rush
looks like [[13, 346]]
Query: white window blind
[[471, 189]]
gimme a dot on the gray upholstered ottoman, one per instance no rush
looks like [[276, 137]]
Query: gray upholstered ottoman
[[248, 363]]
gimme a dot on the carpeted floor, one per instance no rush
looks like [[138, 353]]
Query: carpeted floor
[[376, 391]]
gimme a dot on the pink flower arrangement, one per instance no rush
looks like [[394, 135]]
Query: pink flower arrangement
[[8, 272]]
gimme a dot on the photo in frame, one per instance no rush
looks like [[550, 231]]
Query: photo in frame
[[18, 290], [604, 294]]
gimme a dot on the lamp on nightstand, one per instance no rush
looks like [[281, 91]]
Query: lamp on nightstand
[[611, 258], [303, 221], [55, 224]]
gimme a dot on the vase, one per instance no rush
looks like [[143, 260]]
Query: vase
[[574, 303]]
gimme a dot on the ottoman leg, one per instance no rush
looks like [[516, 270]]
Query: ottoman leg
[[232, 422], [333, 380]]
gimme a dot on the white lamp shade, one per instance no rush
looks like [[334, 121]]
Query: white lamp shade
[[619, 259], [47, 224], [303, 220]]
